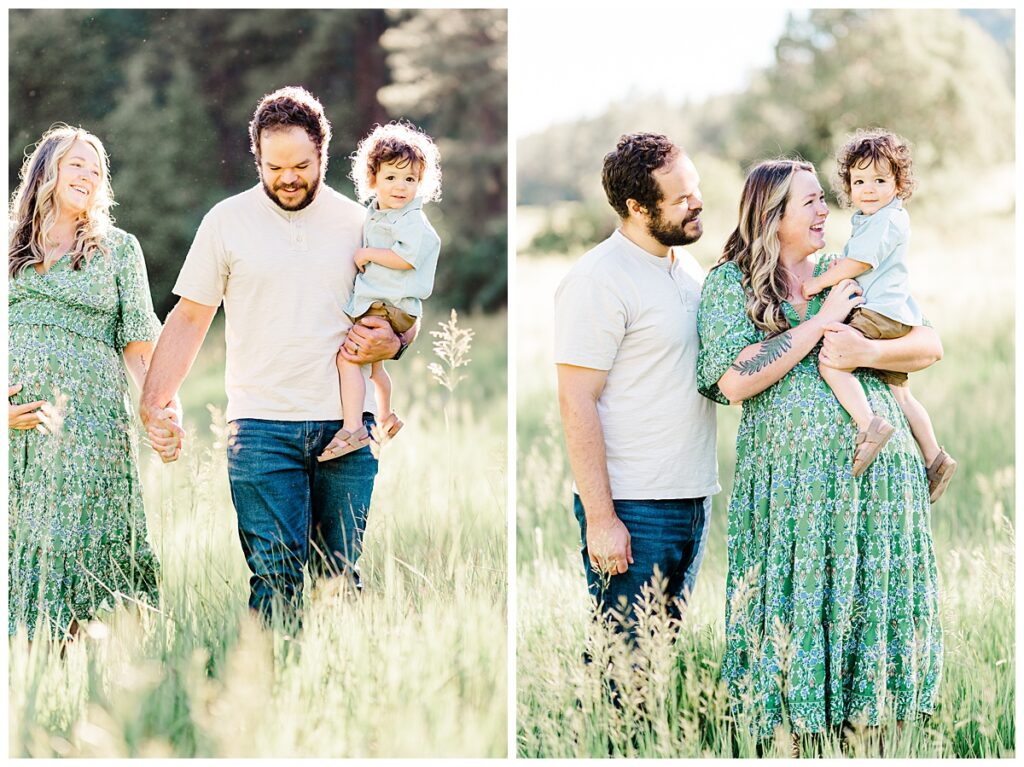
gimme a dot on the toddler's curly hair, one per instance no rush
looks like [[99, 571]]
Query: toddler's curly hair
[[400, 142], [878, 146]]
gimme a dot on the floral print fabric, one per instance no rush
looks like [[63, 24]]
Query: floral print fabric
[[77, 528], [832, 586]]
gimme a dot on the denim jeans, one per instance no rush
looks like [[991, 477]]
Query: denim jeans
[[668, 534], [293, 510]]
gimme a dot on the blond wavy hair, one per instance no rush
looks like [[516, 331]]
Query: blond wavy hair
[[35, 208], [754, 244], [397, 142]]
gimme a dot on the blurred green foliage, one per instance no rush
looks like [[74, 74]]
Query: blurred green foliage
[[941, 78], [171, 92]]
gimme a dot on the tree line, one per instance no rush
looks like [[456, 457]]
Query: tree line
[[943, 79], [171, 92]]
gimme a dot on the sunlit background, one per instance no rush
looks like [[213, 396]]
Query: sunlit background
[[735, 86]]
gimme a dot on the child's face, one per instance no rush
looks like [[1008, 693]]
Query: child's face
[[395, 184], [872, 187]]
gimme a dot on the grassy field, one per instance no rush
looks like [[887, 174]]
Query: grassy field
[[413, 667], [963, 274]]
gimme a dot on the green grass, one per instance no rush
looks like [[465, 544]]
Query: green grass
[[415, 666], [964, 277]]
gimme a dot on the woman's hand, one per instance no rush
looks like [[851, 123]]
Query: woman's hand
[[844, 298], [846, 348], [27, 416]]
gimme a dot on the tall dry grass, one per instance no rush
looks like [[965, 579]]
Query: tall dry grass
[[415, 666], [963, 274]]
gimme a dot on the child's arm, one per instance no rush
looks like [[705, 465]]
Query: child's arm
[[383, 256], [842, 269]]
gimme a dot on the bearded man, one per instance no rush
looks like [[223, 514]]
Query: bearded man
[[281, 258], [641, 440]]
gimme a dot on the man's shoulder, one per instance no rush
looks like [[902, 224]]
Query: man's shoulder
[[603, 261], [339, 204], [590, 268], [231, 206]]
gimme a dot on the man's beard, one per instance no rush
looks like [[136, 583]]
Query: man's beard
[[674, 234], [311, 190]]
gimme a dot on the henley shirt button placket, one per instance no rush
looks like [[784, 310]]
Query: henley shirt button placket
[[298, 235]]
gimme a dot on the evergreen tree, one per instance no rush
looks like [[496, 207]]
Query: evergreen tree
[[450, 74]]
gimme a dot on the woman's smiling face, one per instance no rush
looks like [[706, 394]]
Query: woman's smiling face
[[79, 174], [802, 226]]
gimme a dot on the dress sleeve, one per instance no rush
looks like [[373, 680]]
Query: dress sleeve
[[136, 320], [724, 328]]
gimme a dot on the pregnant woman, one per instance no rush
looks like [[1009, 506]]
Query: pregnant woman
[[79, 313], [831, 594]]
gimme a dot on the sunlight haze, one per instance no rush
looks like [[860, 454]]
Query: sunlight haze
[[574, 63]]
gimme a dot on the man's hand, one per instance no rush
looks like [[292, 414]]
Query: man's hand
[[370, 340], [363, 258], [26, 416], [609, 547], [163, 428], [846, 348]]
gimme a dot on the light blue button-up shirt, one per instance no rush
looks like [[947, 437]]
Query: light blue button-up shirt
[[410, 236], [881, 240]]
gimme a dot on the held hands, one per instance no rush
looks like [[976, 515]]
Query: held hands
[[844, 298], [163, 428], [608, 544], [370, 340], [30, 415]]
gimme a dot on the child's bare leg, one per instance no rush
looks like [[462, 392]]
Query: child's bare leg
[[920, 422], [850, 394], [382, 385], [351, 436], [353, 392]]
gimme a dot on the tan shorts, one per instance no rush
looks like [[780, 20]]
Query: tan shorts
[[400, 321], [878, 326]]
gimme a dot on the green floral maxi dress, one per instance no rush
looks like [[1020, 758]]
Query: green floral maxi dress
[[832, 588], [77, 527]]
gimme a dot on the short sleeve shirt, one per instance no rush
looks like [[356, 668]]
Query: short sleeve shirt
[[284, 278], [407, 232], [881, 240], [634, 314]]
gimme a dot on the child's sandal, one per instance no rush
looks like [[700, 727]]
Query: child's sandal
[[344, 442], [939, 474], [391, 426], [869, 444]]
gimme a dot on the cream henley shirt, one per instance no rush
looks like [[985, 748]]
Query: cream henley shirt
[[634, 314], [285, 278]]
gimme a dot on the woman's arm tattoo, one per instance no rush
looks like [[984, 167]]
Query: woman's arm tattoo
[[771, 349]]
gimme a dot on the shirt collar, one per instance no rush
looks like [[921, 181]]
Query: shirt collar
[[662, 262], [291, 215], [392, 214]]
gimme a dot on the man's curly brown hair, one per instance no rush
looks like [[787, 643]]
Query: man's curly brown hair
[[880, 147], [288, 107], [628, 172]]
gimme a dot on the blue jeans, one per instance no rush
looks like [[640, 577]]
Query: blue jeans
[[293, 510], [670, 534]]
